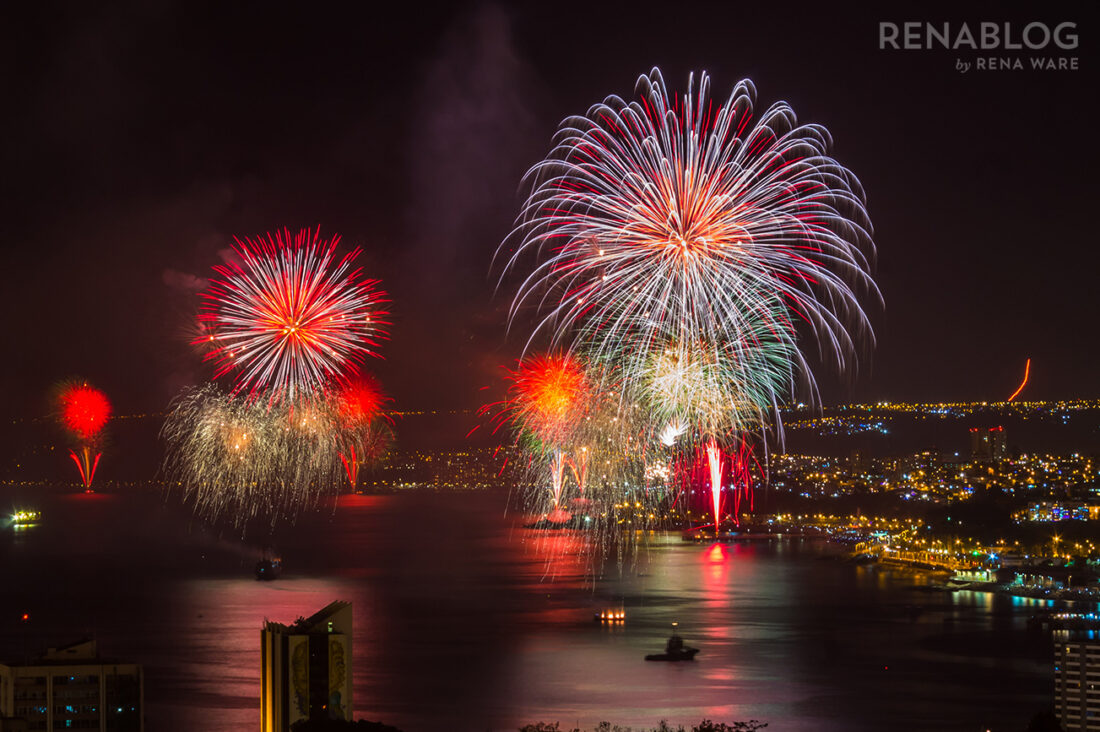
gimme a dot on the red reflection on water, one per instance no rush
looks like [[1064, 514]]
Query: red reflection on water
[[716, 557], [725, 711], [90, 497], [717, 553], [563, 553], [720, 573], [356, 500], [226, 663], [558, 516], [716, 573]]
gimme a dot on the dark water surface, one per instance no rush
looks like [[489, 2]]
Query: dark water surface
[[464, 621]]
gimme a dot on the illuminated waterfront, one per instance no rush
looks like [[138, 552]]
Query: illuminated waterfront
[[501, 633]]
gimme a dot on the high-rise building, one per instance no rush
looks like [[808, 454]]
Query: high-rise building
[[1077, 685], [306, 669], [989, 444], [72, 688]]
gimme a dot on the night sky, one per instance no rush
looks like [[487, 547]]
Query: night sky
[[138, 139]]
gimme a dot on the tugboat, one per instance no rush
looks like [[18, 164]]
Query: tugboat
[[675, 650], [269, 569]]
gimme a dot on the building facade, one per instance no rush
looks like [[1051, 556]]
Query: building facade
[[72, 688], [306, 669], [987, 445], [1077, 685]]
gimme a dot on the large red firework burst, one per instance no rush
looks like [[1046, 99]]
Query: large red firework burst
[[288, 315]]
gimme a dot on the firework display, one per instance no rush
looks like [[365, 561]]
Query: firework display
[[547, 399], [685, 248], [548, 396], [288, 315], [365, 429], [242, 458], [667, 219], [585, 448], [83, 411], [291, 322]]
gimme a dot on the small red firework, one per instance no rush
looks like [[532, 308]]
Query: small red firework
[[365, 430], [84, 410], [360, 400]]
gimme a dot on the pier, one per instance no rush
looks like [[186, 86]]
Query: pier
[[925, 559]]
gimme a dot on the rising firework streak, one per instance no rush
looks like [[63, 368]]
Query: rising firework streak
[[1027, 372]]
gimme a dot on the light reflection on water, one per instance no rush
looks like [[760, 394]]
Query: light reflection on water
[[462, 615]]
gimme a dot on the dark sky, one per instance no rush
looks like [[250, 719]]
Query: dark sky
[[138, 138]]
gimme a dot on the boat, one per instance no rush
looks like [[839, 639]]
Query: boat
[[610, 615], [269, 569], [675, 650], [25, 518]]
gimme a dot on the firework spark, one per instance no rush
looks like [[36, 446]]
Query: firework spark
[[677, 244], [84, 410], [579, 465], [365, 428], [547, 398], [289, 315], [665, 220], [246, 457]]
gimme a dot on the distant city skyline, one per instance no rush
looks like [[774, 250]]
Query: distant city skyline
[[429, 365]]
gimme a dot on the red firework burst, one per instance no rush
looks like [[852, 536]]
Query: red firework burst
[[365, 430], [547, 396], [84, 410], [290, 315], [360, 400]]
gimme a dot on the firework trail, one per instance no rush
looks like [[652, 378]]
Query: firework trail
[[546, 401], [245, 457], [739, 463], [292, 322], [672, 219], [569, 429], [365, 429], [1027, 374], [579, 465], [686, 244], [557, 483], [84, 410], [289, 315], [714, 464]]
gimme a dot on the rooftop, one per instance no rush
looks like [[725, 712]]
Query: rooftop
[[74, 654], [316, 623]]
